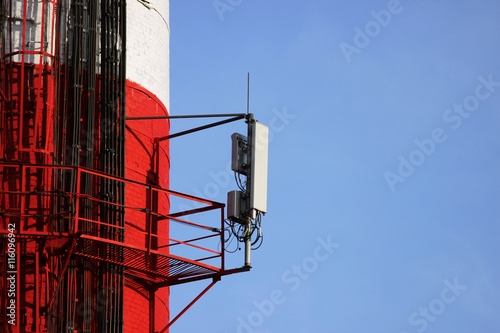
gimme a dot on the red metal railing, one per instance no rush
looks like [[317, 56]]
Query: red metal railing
[[141, 251]]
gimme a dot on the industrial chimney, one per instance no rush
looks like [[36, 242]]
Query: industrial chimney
[[75, 175]]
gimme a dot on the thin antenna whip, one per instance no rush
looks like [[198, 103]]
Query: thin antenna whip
[[248, 93]]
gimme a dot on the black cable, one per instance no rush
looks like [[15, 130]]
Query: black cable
[[229, 240], [239, 183], [261, 241], [240, 233]]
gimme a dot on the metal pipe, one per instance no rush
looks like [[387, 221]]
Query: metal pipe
[[37, 293], [152, 305], [21, 78], [242, 115], [248, 243], [248, 226], [196, 129]]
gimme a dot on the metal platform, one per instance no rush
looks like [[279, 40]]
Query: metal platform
[[152, 265]]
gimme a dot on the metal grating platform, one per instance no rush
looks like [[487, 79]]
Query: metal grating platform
[[153, 266]]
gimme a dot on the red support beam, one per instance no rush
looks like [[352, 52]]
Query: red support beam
[[215, 280]]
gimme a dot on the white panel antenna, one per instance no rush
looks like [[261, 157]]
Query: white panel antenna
[[258, 168]]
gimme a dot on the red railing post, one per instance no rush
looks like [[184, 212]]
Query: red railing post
[[149, 220], [78, 171], [222, 238]]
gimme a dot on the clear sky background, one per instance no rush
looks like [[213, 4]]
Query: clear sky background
[[385, 146]]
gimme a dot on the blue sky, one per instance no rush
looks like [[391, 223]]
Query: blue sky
[[384, 162]]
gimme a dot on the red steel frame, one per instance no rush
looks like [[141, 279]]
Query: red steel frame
[[14, 106], [45, 61], [168, 269], [50, 56], [73, 222]]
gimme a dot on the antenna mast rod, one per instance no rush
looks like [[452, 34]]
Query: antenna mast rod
[[248, 93]]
